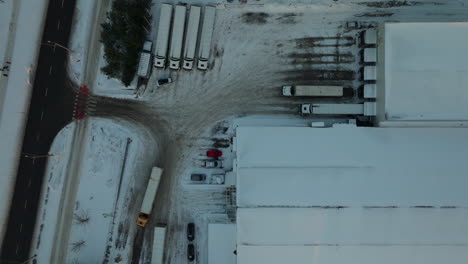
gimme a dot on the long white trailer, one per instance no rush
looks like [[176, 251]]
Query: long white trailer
[[145, 60], [159, 240], [316, 90], [150, 195], [177, 37], [191, 37], [206, 36], [367, 109], [160, 53]]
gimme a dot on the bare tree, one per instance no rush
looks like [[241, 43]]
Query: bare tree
[[77, 245], [82, 217]]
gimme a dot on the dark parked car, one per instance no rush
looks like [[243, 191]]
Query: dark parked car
[[191, 231], [198, 177], [191, 252], [164, 81]]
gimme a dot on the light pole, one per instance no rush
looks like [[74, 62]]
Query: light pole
[[34, 156], [55, 44], [60, 46]]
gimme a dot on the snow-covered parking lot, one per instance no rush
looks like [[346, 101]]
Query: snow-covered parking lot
[[256, 49]]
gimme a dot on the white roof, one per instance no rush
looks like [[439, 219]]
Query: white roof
[[352, 226], [366, 254], [352, 195], [351, 166], [221, 243], [426, 71]]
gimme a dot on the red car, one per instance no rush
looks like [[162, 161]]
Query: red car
[[214, 153]]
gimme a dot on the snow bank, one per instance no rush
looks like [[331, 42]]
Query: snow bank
[[17, 97]]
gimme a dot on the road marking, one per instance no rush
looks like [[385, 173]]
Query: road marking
[[17, 248], [37, 137], [62, 3], [50, 70], [29, 183], [58, 25], [42, 114], [46, 89], [21, 227], [25, 204]]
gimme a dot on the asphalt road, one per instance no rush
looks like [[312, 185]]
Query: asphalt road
[[50, 110]]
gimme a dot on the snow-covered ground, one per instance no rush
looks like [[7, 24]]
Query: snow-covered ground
[[256, 49], [21, 25], [115, 167]]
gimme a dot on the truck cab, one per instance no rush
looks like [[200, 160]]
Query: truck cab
[[142, 219], [159, 61], [305, 109], [287, 90]]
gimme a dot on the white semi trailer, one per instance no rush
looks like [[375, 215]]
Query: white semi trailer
[[150, 195], [144, 65], [159, 241], [191, 37], [162, 40], [177, 37], [316, 91], [366, 109], [206, 36]]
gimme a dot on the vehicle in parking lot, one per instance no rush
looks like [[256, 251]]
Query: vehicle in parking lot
[[191, 252], [214, 153], [217, 179], [164, 81], [190, 231], [197, 177], [212, 164]]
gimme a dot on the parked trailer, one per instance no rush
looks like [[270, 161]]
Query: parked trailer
[[145, 60], [191, 37], [177, 37], [160, 53], [159, 241], [150, 195], [366, 109], [206, 36], [316, 90]]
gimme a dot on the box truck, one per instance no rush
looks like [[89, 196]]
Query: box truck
[[206, 36], [366, 109], [191, 37], [177, 37], [145, 60], [159, 240], [316, 90], [162, 39], [150, 195]]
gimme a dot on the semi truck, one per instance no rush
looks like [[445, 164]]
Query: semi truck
[[177, 37], [366, 109], [159, 241], [316, 90], [150, 195], [145, 60], [206, 36], [160, 53], [191, 37]]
